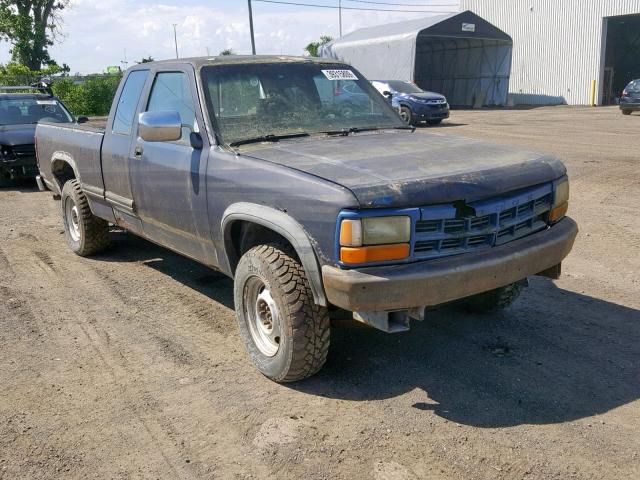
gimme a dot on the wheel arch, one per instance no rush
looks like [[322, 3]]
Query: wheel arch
[[281, 224], [63, 168]]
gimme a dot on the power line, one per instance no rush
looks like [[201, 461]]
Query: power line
[[333, 7], [404, 4]]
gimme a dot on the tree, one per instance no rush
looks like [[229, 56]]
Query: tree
[[314, 47], [31, 26], [227, 51], [148, 59]]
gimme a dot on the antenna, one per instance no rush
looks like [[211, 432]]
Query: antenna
[[125, 62]]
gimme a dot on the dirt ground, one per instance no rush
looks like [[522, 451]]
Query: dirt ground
[[128, 365]]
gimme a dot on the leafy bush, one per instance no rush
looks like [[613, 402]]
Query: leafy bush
[[91, 95]]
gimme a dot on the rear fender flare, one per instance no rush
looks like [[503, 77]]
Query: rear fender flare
[[284, 225], [60, 156]]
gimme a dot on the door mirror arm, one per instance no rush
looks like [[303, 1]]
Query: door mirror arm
[[196, 140]]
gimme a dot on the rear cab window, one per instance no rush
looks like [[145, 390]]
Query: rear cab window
[[128, 102]]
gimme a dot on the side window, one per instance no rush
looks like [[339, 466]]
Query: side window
[[171, 92], [126, 109]]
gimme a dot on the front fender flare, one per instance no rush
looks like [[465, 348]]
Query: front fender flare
[[283, 224]]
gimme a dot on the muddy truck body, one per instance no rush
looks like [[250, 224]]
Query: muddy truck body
[[254, 167]]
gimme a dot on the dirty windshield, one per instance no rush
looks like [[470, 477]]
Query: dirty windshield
[[254, 101]]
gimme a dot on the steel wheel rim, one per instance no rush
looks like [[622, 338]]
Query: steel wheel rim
[[72, 220], [262, 316]]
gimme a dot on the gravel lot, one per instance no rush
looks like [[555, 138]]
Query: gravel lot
[[128, 365]]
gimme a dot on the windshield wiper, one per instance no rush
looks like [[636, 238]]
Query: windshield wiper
[[268, 138], [347, 131]]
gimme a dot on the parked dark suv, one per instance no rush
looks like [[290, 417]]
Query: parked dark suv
[[630, 99], [414, 104], [20, 112]]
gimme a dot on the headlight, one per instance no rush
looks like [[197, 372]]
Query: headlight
[[375, 239], [560, 201], [562, 193]]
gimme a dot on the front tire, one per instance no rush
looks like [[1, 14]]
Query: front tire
[[86, 234], [494, 300], [285, 333], [407, 115], [435, 122], [626, 112]]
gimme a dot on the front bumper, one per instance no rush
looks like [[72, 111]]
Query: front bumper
[[629, 106], [425, 113], [19, 168], [446, 279]]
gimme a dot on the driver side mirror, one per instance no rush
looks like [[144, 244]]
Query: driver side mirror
[[82, 119], [160, 126], [387, 94]]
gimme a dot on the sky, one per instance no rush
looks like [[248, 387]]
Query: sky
[[95, 33]]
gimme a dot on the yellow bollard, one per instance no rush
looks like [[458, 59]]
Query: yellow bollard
[[592, 97]]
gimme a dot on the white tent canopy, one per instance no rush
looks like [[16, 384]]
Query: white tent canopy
[[459, 54]]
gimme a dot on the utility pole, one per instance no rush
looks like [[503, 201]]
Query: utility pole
[[340, 15], [175, 38], [253, 42]]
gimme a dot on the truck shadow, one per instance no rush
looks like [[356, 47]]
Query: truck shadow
[[555, 356], [130, 248]]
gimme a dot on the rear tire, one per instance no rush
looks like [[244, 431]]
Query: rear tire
[[494, 300], [285, 333], [86, 234], [626, 112]]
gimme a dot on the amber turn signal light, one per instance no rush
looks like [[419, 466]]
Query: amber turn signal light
[[378, 253], [558, 212]]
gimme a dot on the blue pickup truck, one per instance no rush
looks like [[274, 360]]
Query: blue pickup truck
[[251, 166]]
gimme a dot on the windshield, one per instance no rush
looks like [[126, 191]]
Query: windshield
[[404, 87], [20, 111], [251, 101]]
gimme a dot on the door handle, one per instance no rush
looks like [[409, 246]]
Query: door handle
[[138, 151]]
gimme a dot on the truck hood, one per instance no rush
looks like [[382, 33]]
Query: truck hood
[[402, 169], [17, 134]]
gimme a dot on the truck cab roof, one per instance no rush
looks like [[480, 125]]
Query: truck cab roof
[[199, 62]]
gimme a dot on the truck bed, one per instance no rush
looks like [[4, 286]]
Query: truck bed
[[80, 145]]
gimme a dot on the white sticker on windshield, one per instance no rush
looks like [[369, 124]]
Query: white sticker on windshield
[[339, 75], [46, 102]]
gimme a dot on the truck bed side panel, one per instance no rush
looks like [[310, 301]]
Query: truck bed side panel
[[79, 146]]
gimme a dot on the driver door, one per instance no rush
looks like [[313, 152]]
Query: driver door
[[168, 178]]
